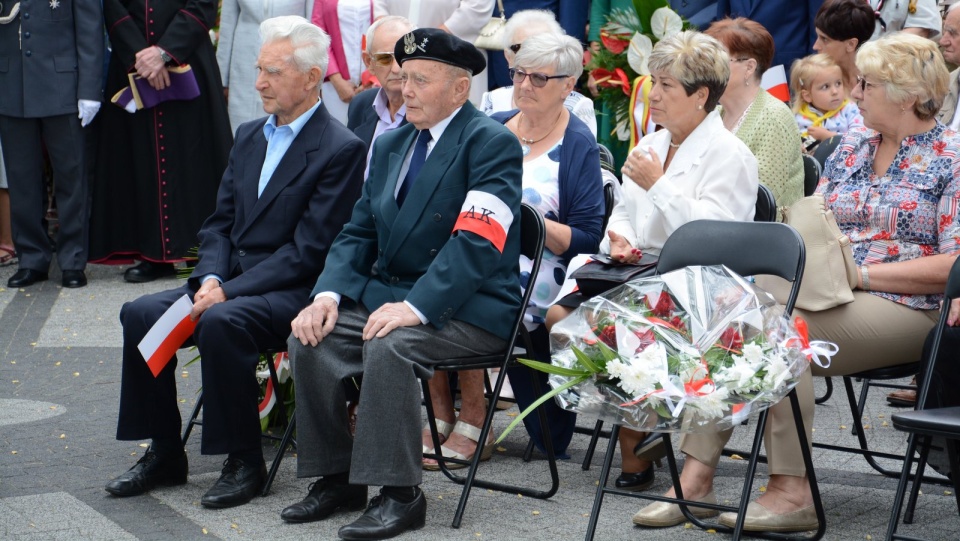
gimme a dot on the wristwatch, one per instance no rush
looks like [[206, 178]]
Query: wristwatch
[[164, 56]]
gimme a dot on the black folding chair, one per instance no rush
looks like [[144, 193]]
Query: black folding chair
[[825, 149], [533, 236], [811, 174], [940, 422], [747, 248], [289, 423], [766, 209], [606, 160]]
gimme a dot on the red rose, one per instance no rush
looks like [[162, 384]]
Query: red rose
[[908, 205], [856, 195], [851, 159], [945, 220], [615, 43], [893, 250], [609, 336], [927, 249], [903, 164], [938, 147], [883, 235], [731, 339], [678, 323], [833, 197], [665, 306]]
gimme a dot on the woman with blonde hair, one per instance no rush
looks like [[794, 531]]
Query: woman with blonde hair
[[893, 190]]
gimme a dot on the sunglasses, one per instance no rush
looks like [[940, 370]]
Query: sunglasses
[[538, 80], [515, 48], [384, 59]]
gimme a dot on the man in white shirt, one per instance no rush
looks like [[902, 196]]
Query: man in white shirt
[[950, 45]]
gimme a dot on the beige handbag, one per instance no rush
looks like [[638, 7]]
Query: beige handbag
[[491, 35], [830, 274]]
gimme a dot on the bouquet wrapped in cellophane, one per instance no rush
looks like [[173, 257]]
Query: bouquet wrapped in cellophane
[[697, 349]]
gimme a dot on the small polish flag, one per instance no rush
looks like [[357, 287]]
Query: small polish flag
[[281, 364], [774, 81], [167, 335]]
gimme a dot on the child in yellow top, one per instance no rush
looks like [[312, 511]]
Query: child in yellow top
[[819, 102]]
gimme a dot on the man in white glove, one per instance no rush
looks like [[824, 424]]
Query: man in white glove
[[50, 90], [88, 110]]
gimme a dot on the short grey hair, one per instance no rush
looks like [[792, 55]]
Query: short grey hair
[[558, 51], [909, 67], [311, 45], [389, 20], [696, 60], [530, 18]]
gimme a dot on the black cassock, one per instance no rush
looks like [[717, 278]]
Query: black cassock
[[158, 169]]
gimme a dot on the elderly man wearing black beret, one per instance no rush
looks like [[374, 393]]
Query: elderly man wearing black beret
[[439, 221]]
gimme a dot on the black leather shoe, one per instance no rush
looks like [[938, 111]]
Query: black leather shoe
[[386, 518], [150, 471], [26, 277], [635, 482], [323, 499], [148, 271], [74, 278], [239, 482]]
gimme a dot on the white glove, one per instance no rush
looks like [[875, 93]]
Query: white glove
[[88, 110]]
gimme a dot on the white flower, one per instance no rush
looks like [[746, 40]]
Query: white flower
[[753, 353], [665, 22], [712, 405], [777, 372], [638, 53]]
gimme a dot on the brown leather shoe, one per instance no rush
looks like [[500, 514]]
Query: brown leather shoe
[[904, 398]]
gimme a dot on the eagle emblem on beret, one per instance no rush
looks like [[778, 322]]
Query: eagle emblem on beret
[[409, 43]]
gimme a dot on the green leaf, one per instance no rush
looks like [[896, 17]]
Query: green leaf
[[585, 360], [553, 369], [645, 9], [607, 353], [541, 400]]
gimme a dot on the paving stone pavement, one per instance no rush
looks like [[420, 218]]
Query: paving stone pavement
[[59, 382]]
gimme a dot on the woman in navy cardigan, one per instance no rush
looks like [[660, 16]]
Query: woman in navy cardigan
[[562, 179]]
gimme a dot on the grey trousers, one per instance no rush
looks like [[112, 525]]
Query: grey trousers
[[387, 448]]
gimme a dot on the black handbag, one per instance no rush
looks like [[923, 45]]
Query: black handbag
[[603, 274]]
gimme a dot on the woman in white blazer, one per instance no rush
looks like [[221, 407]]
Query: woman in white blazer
[[239, 46]]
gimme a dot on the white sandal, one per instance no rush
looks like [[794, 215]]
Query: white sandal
[[470, 432], [443, 429]]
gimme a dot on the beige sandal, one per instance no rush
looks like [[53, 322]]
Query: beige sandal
[[470, 432], [443, 430]]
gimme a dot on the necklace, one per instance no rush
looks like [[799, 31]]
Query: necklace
[[525, 147], [674, 145]]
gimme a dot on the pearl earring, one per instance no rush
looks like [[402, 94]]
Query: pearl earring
[[699, 107]]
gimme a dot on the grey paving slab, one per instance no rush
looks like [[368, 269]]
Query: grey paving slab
[[61, 349]]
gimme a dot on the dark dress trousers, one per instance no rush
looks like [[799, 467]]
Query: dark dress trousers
[[269, 250], [51, 56]]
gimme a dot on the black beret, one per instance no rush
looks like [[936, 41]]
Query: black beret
[[435, 44]]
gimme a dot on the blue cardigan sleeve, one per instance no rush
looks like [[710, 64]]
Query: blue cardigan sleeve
[[580, 186]]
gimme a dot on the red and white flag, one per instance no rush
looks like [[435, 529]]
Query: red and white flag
[[774, 81], [167, 335]]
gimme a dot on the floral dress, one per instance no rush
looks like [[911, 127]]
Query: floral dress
[[909, 212], [541, 190]]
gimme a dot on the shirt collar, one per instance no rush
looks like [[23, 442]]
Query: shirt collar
[[298, 123], [382, 106], [437, 130]]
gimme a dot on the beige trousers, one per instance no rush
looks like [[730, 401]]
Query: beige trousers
[[871, 332]]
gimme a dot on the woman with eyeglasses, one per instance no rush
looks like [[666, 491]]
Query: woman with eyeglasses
[[892, 187], [692, 169], [561, 178], [763, 122], [519, 27]]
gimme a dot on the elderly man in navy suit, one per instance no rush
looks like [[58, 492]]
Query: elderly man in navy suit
[[287, 191], [426, 270]]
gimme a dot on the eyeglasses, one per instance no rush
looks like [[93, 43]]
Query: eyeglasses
[[538, 80], [863, 84], [515, 48], [384, 59], [739, 59]]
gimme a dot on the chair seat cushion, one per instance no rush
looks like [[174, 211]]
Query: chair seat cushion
[[944, 422]]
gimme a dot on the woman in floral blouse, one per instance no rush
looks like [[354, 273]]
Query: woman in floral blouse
[[892, 188]]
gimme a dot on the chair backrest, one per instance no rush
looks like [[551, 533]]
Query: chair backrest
[[608, 197], [811, 174], [766, 210], [952, 291], [747, 248], [606, 160], [825, 149]]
